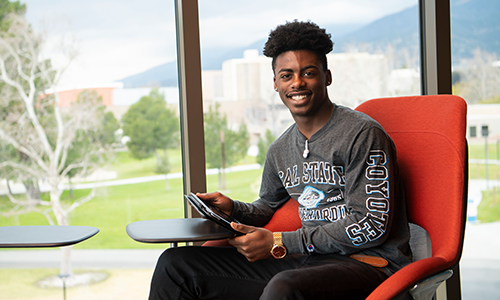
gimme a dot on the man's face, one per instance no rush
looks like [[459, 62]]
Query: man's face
[[301, 81]]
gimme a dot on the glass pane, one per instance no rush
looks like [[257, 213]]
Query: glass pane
[[375, 54], [103, 142], [476, 73]]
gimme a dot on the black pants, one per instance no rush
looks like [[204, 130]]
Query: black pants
[[223, 273]]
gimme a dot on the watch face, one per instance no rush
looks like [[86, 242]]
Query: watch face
[[278, 251]]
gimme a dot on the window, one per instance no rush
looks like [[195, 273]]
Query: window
[[472, 131], [484, 131]]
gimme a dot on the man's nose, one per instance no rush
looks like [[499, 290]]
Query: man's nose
[[298, 82]]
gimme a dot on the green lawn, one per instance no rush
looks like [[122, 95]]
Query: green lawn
[[477, 151], [489, 208], [128, 167], [478, 170]]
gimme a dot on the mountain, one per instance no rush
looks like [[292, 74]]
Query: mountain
[[212, 59], [162, 75], [475, 23], [399, 29]]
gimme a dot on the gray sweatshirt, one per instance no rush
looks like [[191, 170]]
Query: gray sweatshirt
[[350, 195]]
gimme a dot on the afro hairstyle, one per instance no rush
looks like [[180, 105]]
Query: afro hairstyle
[[297, 35]]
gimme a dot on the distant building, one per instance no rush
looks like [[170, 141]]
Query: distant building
[[404, 82], [116, 98], [212, 86], [357, 77], [483, 119], [70, 95], [248, 78]]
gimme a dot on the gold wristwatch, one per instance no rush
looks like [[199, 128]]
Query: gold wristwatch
[[278, 251]]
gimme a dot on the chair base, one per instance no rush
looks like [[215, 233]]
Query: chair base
[[426, 289]]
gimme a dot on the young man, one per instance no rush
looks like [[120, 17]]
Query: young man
[[340, 166]]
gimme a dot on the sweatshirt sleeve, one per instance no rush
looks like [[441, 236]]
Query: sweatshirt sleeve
[[370, 192]]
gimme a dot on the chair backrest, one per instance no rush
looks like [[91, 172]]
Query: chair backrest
[[429, 134]]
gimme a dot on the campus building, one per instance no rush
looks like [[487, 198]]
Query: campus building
[[483, 122]]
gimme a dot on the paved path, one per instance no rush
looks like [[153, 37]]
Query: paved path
[[483, 161], [480, 264], [81, 258], [19, 188]]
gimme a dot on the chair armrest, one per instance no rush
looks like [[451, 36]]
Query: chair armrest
[[408, 276]]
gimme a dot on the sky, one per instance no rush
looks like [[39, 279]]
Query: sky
[[116, 39]]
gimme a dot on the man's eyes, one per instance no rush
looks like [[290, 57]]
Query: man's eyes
[[305, 74]]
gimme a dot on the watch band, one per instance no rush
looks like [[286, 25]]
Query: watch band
[[278, 238], [278, 251]]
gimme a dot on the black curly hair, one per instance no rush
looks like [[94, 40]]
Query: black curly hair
[[298, 36]]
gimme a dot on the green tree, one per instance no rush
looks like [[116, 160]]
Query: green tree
[[223, 147], [151, 126], [263, 145], [7, 7]]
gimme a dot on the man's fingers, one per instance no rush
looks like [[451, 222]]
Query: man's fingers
[[242, 227], [208, 196]]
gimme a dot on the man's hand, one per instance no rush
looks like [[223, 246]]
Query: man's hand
[[255, 245], [222, 202]]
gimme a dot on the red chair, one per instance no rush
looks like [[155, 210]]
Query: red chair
[[429, 133]]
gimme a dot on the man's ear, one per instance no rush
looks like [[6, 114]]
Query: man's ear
[[329, 77], [275, 85]]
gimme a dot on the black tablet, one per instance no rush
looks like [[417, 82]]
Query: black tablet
[[212, 213]]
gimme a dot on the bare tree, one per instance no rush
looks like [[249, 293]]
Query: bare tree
[[479, 77], [39, 132]]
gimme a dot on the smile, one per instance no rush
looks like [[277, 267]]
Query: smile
[[298, 97]]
